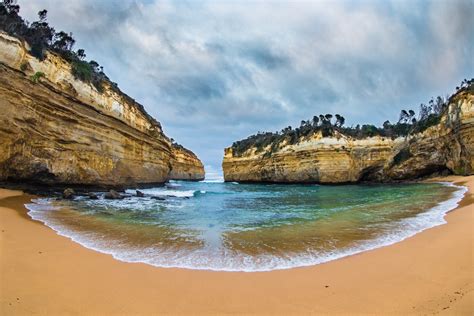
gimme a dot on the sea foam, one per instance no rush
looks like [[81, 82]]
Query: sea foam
[[165, 192], [226, 260]]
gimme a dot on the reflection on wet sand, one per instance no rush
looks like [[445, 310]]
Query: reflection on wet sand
[[127, 235]]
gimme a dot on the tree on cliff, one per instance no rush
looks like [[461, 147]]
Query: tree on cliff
[[10, 21], [81, 54], [315, 121], [340, 120], [328, 118], [322, 118], [41, 37], [405, 116], [407, 124], [63, 42]]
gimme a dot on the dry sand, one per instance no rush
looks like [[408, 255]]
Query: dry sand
[[43, 273]]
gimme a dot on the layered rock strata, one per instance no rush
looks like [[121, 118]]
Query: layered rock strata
[[446, 147], [55, 129], [185, 165]]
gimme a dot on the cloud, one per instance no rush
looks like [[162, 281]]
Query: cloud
[[215, 72], [263, 56]]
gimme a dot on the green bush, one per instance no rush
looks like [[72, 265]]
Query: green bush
[[35, 78], [43, 39], [431, 120], [460, 171], [87, 72], [82, 70], [408, 124]]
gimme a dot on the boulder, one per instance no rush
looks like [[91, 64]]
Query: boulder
[[113, 195], [140, 194], [68, 194], [93, 196], [158, 198]]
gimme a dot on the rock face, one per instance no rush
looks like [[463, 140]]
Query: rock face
[[185, 165], [446, 146], [341, 159], [60, 130]]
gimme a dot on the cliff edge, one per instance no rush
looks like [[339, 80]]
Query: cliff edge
[[55, 129], [446, 147]]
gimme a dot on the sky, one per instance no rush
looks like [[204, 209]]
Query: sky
[[213, 72]]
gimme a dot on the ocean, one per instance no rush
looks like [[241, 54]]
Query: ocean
[[213, 225]]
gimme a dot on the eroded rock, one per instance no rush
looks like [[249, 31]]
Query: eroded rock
[[64, 131], [68, 194], [92, 196], [113, 195], [444, 148]]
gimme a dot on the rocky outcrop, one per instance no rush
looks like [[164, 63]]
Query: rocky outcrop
[[185, 165], [55, 129], [447, 146], [320, 159]]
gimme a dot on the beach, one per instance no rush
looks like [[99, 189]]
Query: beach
[[44, 273]]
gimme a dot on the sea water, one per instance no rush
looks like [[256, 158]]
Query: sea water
[[248, 227]]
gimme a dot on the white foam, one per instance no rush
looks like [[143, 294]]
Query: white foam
[[163, 192], [173, 184], [224, 259], [220, 180]]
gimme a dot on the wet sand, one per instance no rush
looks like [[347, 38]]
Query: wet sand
[[43, 273]]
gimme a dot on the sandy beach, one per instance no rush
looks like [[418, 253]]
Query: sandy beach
[[44, 273]]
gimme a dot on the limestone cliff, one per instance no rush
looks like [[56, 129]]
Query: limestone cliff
[[446, 146], [342, 159], [185, 165], [55, 129]]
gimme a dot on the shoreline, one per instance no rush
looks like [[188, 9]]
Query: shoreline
[[435, 213], [404, 277], [47, 190]]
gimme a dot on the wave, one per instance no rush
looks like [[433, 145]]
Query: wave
[[226, 260], [162, 192], [220, 180], [172, 184]]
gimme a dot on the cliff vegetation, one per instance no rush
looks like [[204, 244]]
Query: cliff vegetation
[[329, 125], [439, 140], [41, 37], [63, 122]]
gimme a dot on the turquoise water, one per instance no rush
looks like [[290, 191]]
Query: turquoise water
[[248, 227]]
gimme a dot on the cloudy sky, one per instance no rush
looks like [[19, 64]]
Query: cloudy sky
[[213, 72]]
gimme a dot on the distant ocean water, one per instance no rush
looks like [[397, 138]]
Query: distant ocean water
[[248, 227]]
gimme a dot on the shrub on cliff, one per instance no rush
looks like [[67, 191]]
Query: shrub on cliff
[[429, 115], [87, 72], [36, 77], [81, 70], [42, 38]]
